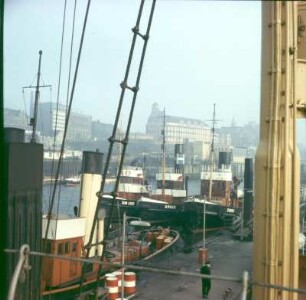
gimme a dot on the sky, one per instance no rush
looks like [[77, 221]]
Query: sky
[[199, 53]]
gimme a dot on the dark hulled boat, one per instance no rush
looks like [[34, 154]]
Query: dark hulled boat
[[158, 211], [192, 212]]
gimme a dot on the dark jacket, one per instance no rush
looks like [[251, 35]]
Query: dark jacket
[[205, 269]]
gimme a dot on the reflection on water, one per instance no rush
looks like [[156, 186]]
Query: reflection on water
[[69, 196]]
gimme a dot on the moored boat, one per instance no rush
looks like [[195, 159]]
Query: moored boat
[[170, 188], [68, 236], [131, 188], [192, 212], [131, 184], [221, 180], [158, 211], [64, 275], [121, 205], [70, 181]]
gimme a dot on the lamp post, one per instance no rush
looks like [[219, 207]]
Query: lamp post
[[204, 221], [136, 222]]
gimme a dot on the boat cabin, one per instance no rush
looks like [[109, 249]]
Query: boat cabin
[[65, 237]]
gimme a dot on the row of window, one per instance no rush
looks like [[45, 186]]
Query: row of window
[[127, 179], [66, 248], [174, 185]]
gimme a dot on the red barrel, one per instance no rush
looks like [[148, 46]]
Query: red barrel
[[118, 274], [112, 286], [129, 283], [203, 255]]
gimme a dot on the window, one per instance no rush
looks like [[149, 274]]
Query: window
[[60, 249], [67, 247], [74, 246], [48, 246]]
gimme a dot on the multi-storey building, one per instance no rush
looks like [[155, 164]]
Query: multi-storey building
[[79, 128], [242, 136], [51, 121], [177, 129]]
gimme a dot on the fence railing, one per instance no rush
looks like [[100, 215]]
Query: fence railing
[[23, 267]]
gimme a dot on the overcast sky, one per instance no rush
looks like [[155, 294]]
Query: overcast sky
[[199, 52]]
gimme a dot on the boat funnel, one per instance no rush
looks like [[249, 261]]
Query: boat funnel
[[90, 185], [225, 160]]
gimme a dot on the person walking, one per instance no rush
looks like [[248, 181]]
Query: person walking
[[206, 282]]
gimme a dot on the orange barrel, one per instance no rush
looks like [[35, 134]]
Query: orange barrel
[[203, 255], [129, 283], [118, 274], [159, 241], [128, 254], [150, 236], [131, 255], [112, 286]]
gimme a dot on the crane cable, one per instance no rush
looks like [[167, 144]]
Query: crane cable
[[51, 198], [68, 114], [71, 48], [112, 140]]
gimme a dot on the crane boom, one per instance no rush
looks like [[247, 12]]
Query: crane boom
[[277, 163]]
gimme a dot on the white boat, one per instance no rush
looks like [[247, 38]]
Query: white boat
[[132, 185], [169, 188], [170, 185], [72, 180]]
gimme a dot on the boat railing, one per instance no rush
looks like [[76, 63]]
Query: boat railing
[[23, 268]]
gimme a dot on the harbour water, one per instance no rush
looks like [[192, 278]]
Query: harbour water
[[67, 197]]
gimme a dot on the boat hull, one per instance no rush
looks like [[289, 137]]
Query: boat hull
[[216, 216]]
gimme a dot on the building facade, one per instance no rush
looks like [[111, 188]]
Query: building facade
[[51, 121], [177, 129]]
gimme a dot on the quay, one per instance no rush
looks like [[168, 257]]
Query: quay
[[229, 257]]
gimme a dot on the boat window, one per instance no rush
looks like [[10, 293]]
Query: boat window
[[67, 247], [60, 249], [127, 179], [172, 185], [74, 246], [178, 185], [48, 246]]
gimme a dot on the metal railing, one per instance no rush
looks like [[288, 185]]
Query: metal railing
[[23, 267]]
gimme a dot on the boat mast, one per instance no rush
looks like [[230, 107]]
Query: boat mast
[[34, 119], [163, 154], [212, 152], [212, 156]]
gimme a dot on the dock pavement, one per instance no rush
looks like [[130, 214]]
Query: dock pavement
[[229, 257]]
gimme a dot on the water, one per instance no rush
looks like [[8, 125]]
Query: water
[[69, 196], [65, 199]]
